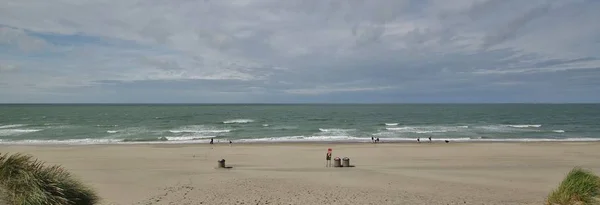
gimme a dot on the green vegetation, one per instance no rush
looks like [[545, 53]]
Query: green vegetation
[[27, 181], [579, 187]]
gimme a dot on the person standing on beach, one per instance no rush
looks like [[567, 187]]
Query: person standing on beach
[[328, 158], [211, 140]]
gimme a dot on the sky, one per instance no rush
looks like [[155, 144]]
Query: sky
[[299, 51]]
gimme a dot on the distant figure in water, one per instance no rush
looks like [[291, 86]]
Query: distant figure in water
[[211, 140]]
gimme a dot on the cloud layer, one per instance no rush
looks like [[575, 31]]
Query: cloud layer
[[300, 51]]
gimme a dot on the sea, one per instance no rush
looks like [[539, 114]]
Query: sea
[[80, 124]]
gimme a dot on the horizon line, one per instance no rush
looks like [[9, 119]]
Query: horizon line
[[312, 103]]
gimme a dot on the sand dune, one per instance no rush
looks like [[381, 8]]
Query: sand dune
[[439, 173]]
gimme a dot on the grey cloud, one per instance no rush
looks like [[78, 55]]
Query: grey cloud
[[8, 68], [167, 65], [278, 49], [510, 29], [20, 39]]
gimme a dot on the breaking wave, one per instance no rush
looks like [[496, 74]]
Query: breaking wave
[[524, 126], [238, 121], [11, 126], [12, 132], [195, 140]]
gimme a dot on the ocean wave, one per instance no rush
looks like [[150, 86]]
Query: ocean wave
[[425, 129], [318, 119], [164, 139], [524, 126], [558, 131], [238, 121], [507, 128], [11, 126], [335, 130], [106, 125], [87, 141], [304, 139], [283, 127], [196, 140], [112, 131], [198, 129], [390, 124], [189, 138], [12, 132]]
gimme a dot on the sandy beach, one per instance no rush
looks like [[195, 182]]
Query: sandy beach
[[409, 173]]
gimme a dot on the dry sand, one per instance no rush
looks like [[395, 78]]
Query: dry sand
[[437, 173]]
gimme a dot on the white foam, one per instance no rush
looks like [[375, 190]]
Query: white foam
[[62, 142], [524, 126], [508, 128], [187, 138], [404, 139], [391, 124], [112, 131], [11, 126], [199, 129], [425, 129], [306, 139], [195, 140], [107, 125], [335, 130], [11, 132], [265, 125], [558, 131], [238, 121]]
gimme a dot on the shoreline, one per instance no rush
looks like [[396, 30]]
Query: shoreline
[[292, 143]]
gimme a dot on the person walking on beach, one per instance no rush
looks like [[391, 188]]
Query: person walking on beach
[[429, 139], [211, 140]]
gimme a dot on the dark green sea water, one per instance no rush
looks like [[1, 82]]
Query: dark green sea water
[[89, 124]]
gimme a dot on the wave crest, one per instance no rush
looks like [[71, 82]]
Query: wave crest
[[524, 126], [238, 121]]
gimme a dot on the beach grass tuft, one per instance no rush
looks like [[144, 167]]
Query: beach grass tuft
[[581, 187], [25, 180]]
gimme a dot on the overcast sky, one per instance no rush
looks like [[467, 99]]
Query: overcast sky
[[282, 51]]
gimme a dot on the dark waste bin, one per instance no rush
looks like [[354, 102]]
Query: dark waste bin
[[222, 163], [346, 162], [337, 162]]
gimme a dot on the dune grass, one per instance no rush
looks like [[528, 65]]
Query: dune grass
[[578, 187], [27, 181]]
